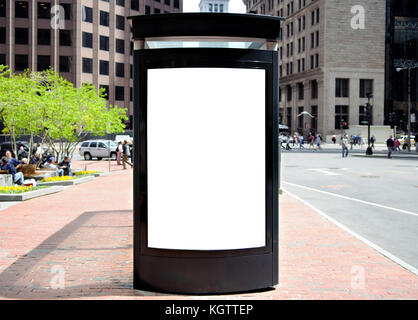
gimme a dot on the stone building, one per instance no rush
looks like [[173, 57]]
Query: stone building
[[89, 41]]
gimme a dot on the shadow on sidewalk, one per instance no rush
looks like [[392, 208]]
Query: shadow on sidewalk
[[90, 257]]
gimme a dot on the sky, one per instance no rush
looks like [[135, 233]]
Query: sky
[[235, 6]]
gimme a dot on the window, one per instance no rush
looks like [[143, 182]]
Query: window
[[120, 3], [341, 88], [317, 38], [314, 89], [120, 22], [120, 69], [21, 35], [93, 145], [44, 10], [301, 118], [147, 10], [2, 59], [67, 10], [291, 49], [87, 14], [167, 2], [21, 62], [177, 4], [131, 71], [104, 67], [366, 87], [44, 37], [221, 8], [104, 43], [135, 5], [317, 60], [291, 68], [131, 94], [2, 8], [289, 93], [120, 46], [85, 144], [65, 38], [303, 44], [2, 35], [87, 65], [313, 17], [21, 9], [312, 62], [303, 64], [104, 18], [106, 93], [87, 40], [289, 117], [119, 93], [317, 15], [312, 40], [156, 10], [314, 120], [44, 62], [65, 64], [301, 91], [341, 114], [303, 23]]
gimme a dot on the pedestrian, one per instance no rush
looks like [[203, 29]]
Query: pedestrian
[[295, 139], [131, 150], [397, 144], [126, 154], [344, 146], [311, 141], [287, 142], [301, 142], [21, 153], [373, 140], [391, 145], [351, 142], [318, 141], [118, 153], [334, 139]]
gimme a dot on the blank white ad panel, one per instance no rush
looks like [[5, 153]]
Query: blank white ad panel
[[206, 158]]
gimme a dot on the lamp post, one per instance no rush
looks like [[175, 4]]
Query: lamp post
[[369, 150], [407, 65]]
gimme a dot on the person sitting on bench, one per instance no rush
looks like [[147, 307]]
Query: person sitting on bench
[[18, 177], [65, 165]]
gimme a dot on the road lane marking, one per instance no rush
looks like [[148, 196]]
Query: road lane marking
[[352, 199], [359, 237], [327, 173]]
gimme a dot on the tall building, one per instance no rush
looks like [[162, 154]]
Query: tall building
[[328, 61], [214, 5], [401, 43], [88, 41]]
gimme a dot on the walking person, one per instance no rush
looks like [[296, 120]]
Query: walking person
[[334, 139], [344, 146], [318, 141], [119, 153], [391, 145], [287, 142], [372, 141], [126, 154], [301, 142], [397, 144], [311, 141]]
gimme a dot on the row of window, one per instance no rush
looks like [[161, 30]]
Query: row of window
[[301, 23], [301, 65], [43, 62], [341, 115], [119, 92], [104, 67]]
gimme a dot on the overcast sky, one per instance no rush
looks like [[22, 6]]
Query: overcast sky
[[235, 6]]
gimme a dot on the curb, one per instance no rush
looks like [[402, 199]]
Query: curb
[[30, 194]]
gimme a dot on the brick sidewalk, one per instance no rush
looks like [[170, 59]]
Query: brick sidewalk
[[86, 233]]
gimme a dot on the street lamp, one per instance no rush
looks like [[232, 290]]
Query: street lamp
[[407, 65]]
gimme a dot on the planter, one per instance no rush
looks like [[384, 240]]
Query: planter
[[67, 182], [30, 194]]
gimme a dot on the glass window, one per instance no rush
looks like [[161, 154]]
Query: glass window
[[87, 65], [21, 62], [65, 64], [21, 35], [2, 59], [120, 46], [87, 40], [135, 5], [67, 10], [341, 88], [177, 4], [104, 43], [104, 67], [104, 18], [314, 89], [120, 3], [301, 119], [44, 37], [93, 145], [363, 116], [167, 2], [65, 38], [341, 114], [2, 8], [289, 117], [102, 145], [119, 93], [44, 10], [44, 62], [314, 120], [156, 10], [120, 69], [21, 9], [106, 93], [289, 93], [366, 87], [2, 35], [120, 22], [85, 144], [147, 10], [87, 14], [301, 91]]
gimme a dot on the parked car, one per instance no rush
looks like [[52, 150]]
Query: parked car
[[98, 149]]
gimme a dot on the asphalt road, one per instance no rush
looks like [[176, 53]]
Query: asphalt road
[[375, 198]]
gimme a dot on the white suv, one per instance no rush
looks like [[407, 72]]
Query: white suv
[[98, 149]]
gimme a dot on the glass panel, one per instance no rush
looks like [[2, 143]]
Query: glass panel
[[260, 44]]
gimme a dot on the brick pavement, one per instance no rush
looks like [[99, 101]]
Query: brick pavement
[[85, 233]]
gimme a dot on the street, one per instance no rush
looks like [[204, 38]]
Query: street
[[375, 198]]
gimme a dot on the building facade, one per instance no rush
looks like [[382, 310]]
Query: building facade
[[329, 62], [86, 41], [214, 5], [401, 44]]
